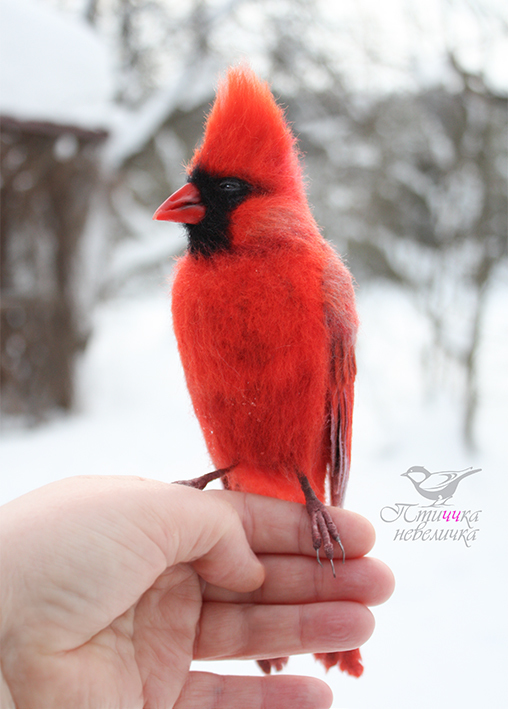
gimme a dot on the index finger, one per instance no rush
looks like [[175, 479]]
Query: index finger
[[279, 527]]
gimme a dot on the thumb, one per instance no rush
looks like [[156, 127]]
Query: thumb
[[206, 531]]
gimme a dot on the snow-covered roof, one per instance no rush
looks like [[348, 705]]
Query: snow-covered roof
[[52, 67]]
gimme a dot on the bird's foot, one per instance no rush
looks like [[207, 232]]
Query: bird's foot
[[322, 525], [201, 482], [276, 663]]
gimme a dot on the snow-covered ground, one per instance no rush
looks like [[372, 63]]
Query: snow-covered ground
[[441, 640]]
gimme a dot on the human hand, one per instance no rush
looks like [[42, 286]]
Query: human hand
[[113, 585]]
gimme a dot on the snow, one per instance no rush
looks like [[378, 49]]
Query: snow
[[440, 641], [52, 67]]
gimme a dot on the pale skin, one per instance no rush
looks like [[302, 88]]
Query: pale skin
[[113, 585]]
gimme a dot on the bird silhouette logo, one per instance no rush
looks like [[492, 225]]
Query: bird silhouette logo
[[439, 486]]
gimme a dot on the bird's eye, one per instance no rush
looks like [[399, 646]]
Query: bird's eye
[[230, 185]]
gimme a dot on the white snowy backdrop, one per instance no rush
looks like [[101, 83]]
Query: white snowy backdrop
[[441, 639]]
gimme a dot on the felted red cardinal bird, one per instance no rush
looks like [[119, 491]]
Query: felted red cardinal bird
[[264, 315]]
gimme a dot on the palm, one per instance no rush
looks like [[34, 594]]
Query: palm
[[144, 654]]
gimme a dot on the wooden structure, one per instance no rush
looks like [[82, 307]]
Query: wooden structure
[[49, 173]]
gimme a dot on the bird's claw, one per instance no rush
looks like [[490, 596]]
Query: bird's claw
[[196, 483], [333, 569], [337, 539], [322, 525], [201, 482], [331, 563]]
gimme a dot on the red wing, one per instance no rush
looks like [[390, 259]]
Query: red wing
[[342, 323], [341, 418]]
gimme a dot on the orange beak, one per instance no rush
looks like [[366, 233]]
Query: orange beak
[[183, 206]]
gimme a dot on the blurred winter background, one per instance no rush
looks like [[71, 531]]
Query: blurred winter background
[[401, 112]]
